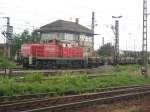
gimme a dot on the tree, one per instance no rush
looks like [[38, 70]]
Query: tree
[[24, 37], [105, 50], [6, 63], [35, 37]]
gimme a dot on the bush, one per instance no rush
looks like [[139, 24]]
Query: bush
[[68, 83], [5, 62], [34, 77]]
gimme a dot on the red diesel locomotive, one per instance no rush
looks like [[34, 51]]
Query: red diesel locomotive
[[55, 55]]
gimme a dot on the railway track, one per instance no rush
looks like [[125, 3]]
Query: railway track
[[51, 72], [71, 107], [14, 99], [21, 72], [54, 104]]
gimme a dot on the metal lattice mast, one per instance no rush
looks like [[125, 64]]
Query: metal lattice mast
[[92, 28], [144, 45], [116, 32], [116, 41]]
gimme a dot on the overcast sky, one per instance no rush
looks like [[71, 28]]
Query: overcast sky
[[31, 14]]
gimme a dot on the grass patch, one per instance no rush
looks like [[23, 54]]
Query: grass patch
[[68, 83], [34, 77]]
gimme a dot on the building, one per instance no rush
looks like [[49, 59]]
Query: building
[[68, 32]]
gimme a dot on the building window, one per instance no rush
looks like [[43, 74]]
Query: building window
[[68, 36], [76, 37], [88, 50]]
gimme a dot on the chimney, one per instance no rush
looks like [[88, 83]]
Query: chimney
[[77, 20]]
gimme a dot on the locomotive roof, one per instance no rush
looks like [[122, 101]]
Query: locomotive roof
[[65, 26]]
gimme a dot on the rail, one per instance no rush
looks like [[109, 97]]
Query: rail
[[13, 99], [75, 101]]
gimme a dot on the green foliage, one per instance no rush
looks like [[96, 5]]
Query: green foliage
[[6, 86], [1, 52], [34, 77], [105, 50], [34, 83], [24, 37], [5, 62]]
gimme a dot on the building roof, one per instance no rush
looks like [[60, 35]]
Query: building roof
[[65, 26]]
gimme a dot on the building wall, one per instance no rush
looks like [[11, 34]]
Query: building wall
[[45, 37]]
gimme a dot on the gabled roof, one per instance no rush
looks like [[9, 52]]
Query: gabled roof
[[65, 26]]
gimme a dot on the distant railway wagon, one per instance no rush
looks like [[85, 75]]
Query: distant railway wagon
[[124, 61], [56, 55]]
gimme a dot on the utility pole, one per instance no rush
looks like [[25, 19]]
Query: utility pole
[[144, 44], [8, 42], [8, 34], [116, 47], [116, 41], [103, 41], [92, 28]]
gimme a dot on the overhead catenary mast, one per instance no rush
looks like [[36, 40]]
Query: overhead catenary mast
[[8, 35], [8, 42], [92, 28], [144, 44], [103, 41], [116, 32]]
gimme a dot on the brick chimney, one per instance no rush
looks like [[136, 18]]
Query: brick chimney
[[77, 21]]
